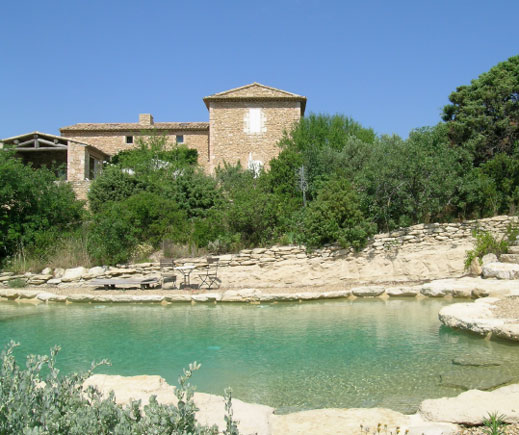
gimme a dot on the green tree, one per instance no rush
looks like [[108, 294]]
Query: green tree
[[117, 230], [406, 182], [34, 206], [483, 117], [335, 216], [324, 144]]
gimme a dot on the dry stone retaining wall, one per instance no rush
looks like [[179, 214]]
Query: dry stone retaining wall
[[418, 235]]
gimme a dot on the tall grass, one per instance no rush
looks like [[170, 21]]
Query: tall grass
[[66, 251]]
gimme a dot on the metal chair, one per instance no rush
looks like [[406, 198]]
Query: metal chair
[[210, 276], [167, 271]]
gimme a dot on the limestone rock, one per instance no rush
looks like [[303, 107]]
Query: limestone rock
[[252, 418], [145, 298], [475, 267], [27, 294], [207, 297], [80, 298], [39, 279], [489, 258], [54, 281], [509, 258], [501, 270], [176, 297], [58, 272], [337, 421], [74, 274], [47, 271], [367, 291], [472, 407], [403, 291], [474, 316], [50, 297], [94, 272]]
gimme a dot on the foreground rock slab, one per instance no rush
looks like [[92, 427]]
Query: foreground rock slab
[[472, 407], [253, 419], [483, 317], [349, 421]]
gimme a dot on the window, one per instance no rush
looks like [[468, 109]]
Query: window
[[180, 138], [94, 168], [254, 121], [129, 139]]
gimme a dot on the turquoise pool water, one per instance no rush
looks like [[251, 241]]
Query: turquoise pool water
[[361, 353]]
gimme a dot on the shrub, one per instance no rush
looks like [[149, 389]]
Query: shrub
[[112, 185], [487, 243], [334, 216], [145, 217], [36, 400], [32, 203]]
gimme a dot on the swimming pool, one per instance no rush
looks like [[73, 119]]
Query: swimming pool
[[346, 353]]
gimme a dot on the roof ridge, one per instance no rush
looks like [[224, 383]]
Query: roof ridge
[[239, 88]]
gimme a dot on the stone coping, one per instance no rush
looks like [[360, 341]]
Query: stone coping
[[490, 317], [464, 287], [434, 416]]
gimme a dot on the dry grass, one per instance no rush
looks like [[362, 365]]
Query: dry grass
[[70, 251]]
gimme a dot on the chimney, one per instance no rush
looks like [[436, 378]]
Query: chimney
[[145, 119]]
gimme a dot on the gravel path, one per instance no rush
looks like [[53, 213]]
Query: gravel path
[[507, 308]]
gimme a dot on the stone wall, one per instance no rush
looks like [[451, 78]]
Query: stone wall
[[230, 139], [421, 238], [76, 162], [111, 142], [81, 188]]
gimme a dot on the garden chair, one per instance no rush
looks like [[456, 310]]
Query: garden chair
[[167, 271], [210, 275]]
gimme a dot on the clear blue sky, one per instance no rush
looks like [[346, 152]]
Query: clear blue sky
[[388, 64]]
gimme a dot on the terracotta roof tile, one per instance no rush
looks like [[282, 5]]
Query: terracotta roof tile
[[135, 126]]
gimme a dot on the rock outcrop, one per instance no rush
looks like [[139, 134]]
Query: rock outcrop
[[472, 407]]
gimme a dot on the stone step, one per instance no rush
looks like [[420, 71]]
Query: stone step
[[513, 249], [509, 258]]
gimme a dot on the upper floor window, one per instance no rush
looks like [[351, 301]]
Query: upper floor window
[[129, 139], [254, 121], [180, 138]]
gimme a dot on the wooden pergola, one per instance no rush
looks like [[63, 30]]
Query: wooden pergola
[[36, 141]]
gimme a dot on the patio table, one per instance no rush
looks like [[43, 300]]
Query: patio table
[[186, 271]]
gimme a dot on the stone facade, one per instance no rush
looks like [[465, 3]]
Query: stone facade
[[232, 138], [245, 125]]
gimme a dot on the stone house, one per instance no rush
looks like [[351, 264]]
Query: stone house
[[75, 161], [245, 125]]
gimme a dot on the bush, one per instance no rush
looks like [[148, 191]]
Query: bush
[[111, 186], [36, 400], [117, 230], [32, 203], [487, 243], [334, 216]]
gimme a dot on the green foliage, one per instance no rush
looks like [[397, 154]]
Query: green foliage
[[36, 400], [34, 208], [112, 185], [494, 424], [118, 229], [17, 283], [335, 217], [487, 243], [406, 182], [323, 144], [483, 117]]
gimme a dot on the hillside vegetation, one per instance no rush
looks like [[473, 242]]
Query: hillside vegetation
[[334, 181]]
